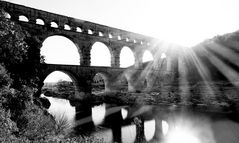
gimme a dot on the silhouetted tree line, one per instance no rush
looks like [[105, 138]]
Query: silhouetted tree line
[[62, 89]]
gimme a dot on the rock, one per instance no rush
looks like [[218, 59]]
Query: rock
[[45, 102]]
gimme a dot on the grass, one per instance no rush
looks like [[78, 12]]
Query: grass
[[63, 125]]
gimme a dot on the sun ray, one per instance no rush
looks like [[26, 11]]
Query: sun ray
[[203, 70], [225, 52], [226, 70], [183, 81]]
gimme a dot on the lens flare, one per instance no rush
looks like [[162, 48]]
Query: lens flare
[[165, 127], [187, 129], [181, 135]]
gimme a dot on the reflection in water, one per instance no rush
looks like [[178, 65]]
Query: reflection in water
[[106, 135], [186, 129], [227, 131], [164, 127], [182, 137], [61, 108], [162, 124], [149, 129], [98, 114], [128, 134], [124, 113]]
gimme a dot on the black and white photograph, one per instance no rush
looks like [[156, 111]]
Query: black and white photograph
[[119, 71]]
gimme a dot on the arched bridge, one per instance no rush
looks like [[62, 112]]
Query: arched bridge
[[41, 25], [113, 77]]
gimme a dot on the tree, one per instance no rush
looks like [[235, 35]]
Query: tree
[[18, 67], [65, 89], [19, 54]]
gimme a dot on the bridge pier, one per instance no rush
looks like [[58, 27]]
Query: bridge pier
[[85, 48], [83, 119], [115, 56], [83, 88], [114, 120], [138, 59]]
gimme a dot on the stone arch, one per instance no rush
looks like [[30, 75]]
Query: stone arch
[[164, 61], [96, 54], [127, 57], [79, 29], [54, 24], [67, 27], [40, 21], [161, 60], [71, 76], [100, 79], [101, 34], [23, 18], [147, 56], [123, 83], [90, 32], [7, 15], [75, 55], [163, 55]]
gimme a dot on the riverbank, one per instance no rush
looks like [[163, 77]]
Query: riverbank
[[213, 96], [217, 96]]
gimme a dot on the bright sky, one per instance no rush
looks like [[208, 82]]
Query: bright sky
[[183, 22]]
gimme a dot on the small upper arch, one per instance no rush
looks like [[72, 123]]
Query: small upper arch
[[40, 21], [79, 29], [7, 15], [101, 34], [54, 24], [67, 27], [23, 18], [90, 31]]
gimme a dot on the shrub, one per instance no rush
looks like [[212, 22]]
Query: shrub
[[35, 123], [8, 129]]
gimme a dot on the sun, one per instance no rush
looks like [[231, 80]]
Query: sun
[[186, 22]]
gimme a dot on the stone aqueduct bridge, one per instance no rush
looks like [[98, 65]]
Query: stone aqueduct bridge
[[84, 34]]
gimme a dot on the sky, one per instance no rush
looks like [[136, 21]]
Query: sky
[[181, 22]]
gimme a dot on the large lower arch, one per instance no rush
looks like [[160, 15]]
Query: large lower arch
[[62, 79], [100, 55], [126, 57], [121, 83], [99, 83], [58, 49]]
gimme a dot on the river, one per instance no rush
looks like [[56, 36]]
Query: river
[[161, 123]]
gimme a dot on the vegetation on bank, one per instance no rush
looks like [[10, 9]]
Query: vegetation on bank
[[198, 96], [21, 119]]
